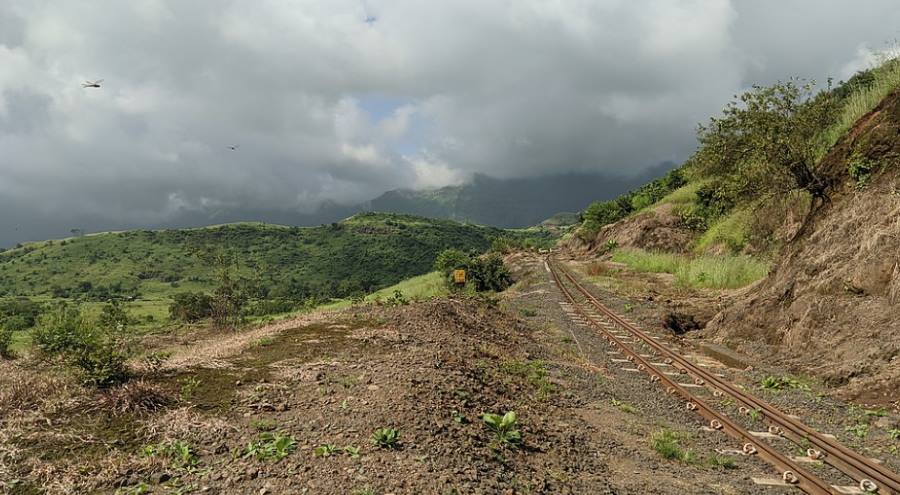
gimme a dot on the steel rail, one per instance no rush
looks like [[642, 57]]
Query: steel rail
[[790, 471], [857, 466]]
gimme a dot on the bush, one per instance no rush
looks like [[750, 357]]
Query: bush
[[489, 273], [190, 307], [5, 342], [449, 260], [95, 350]]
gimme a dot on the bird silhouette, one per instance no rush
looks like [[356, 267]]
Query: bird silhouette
[[92, 84]]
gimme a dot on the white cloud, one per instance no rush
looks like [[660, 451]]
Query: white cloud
[[496, 87]]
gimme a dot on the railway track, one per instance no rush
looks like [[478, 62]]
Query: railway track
[[871, 477]]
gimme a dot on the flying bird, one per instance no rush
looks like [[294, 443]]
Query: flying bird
[[234, 147], [92, 84]]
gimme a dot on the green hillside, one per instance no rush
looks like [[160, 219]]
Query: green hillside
[[762, 159], [361, 254]]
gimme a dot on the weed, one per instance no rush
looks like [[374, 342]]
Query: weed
[[667, 444], [363, 491], [458, 417], [779, 383], [325, 450], [154, 361], [397, 299], [180, 453], [263, 342], [352, 451], [861, 430], [535, 372], [386, 438], [717, 272], [624, 406], [263, 424], [504, 427], [860, 171], [894, 434], [722, 462], [189, 385], [629, 307], [528, 312], [878, 413], [755, 414], [726, 403], [271, 446]]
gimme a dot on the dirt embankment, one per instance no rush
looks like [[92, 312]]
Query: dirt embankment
[[830, 306], [655, 229]]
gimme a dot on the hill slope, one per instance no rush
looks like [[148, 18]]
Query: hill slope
[[362, 253]]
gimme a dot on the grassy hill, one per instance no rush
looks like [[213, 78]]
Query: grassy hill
[[363, 253]]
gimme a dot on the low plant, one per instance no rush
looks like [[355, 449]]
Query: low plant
[[458, 417], [860, 171], [263, 424], [528, 312], [271, 446], [353, 451], [536, 372], [364, 491], [624, 406], [264, 341], [189, 385], [722, 462], [667, 444], [5, 341], [782, 382], [755, 414], [861, 430], [180, 453], [386, 438], [894, 433], [504, 427], [325, 450], [397, 299]]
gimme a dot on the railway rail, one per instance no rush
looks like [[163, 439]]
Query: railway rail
[[871, 476]]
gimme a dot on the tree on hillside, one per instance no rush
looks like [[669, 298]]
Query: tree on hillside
[[770, 140]]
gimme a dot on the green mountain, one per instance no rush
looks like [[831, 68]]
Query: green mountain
[[362, 253]]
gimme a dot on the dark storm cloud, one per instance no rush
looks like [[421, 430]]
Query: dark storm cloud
[[327, 106]]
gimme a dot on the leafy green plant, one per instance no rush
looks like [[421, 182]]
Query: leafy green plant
[[189, 385], [535, 372], [861, 430], [5, 341], [504, 427], [860, 171], [271, 446], [325, 450], [180, 453], [397, 299], [779, 383], [755, 414], [894, 433], [386, 438], [364, 491], [264, 342], [458, 417], [352, 451], [629, 307], [667, 444]]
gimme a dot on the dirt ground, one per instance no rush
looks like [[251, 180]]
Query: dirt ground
[[429, 370]]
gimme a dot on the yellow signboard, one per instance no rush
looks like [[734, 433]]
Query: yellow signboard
[[459, 276]]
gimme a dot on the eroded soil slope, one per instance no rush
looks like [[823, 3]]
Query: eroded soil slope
[[830, 307]]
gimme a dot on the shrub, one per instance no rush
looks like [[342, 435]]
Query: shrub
[[489, 273], [449, 260], [190, 307], [97, 351], [860, 171], [5, 342]]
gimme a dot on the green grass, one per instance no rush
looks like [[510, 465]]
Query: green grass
[[731, 231], [886, 79], [426, 286], [683, 195], [668, 444], [715, 272]]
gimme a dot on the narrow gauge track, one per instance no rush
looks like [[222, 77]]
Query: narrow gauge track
[[872, 477]]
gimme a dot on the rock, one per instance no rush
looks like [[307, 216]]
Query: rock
[[162, 478]]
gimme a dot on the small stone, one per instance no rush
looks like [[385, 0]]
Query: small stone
[[373, 387], [162, 478]]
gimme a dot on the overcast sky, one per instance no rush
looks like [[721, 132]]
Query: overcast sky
[[343, 99]]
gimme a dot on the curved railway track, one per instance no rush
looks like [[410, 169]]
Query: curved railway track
[[871, 476]]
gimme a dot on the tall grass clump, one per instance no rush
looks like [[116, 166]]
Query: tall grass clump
[[875, 85], [713, 272]]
